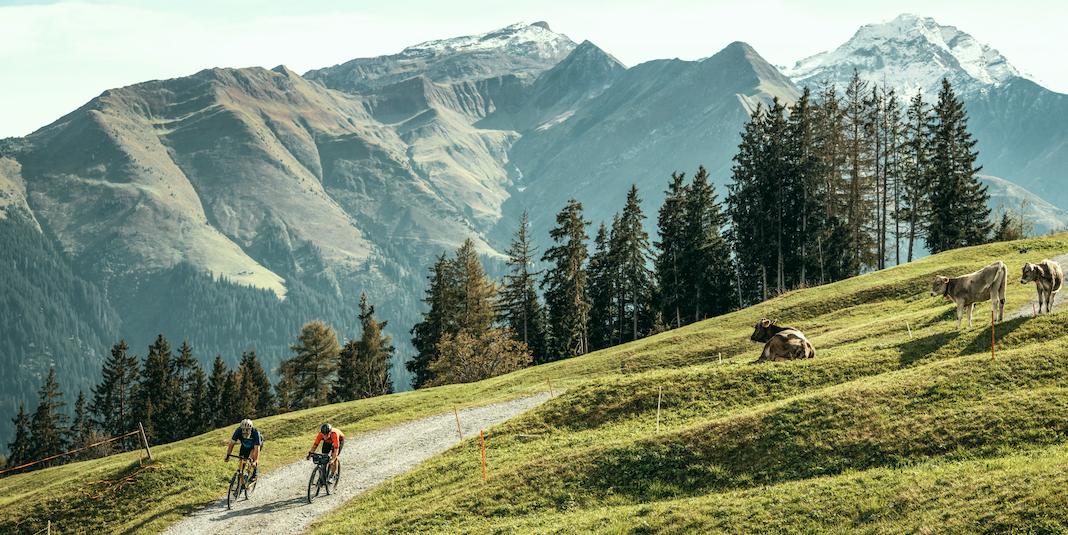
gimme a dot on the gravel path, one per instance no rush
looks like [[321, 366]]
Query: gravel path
[[1026, 309], [279, 505]]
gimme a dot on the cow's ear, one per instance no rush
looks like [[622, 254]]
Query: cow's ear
[[765, 323]]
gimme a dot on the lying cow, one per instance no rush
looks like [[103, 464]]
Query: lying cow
[[967, 290], [781, 343], [1047, 277]]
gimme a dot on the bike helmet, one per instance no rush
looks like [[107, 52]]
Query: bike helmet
[[246, 428], [325, 429]]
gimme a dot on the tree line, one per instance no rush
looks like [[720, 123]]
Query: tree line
[[173, 397], [836, 184], [820, 190]]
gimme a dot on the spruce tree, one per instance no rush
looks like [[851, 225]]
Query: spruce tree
[[520, 307], [710, 276], [631, 255], [749, 232], [859, 169], [671, 229], [960, 215], [157, 393], [348, 373], [602, 280], [21, 448], [374, 355], [252, 372], [808, 189], [203, 417], [185, 367], [114, 397], [476, 294], [916, 170], [565, 283], [311, 371], [439, 319], [216, 389], [230, 400], [48, 428], [81, 428]]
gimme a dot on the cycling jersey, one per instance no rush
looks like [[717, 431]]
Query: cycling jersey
[[330, 442], [254, 439]]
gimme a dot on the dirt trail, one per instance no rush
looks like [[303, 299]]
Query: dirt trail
[[279, 505], [1026, 310]]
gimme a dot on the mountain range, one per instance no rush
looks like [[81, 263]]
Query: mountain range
[[229, 206]]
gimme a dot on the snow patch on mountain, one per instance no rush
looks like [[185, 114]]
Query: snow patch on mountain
[[528, 39], [909, 53]]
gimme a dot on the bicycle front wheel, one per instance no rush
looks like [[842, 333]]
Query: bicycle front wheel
[[234, 490], [250, 487], [313, 484]]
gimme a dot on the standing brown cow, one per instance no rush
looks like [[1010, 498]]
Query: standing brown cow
[[781, 343], [1047, 277], [967, 290]]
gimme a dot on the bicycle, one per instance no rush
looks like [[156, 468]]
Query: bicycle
[[241, 482], [320, 479]]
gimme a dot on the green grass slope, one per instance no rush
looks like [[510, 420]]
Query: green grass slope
[[881, 432]]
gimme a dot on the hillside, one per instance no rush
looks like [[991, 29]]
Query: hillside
[[881, 432]]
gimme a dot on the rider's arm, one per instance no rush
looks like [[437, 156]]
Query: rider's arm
[[255, 455], [318, 439], [337, 445], [230, 449]]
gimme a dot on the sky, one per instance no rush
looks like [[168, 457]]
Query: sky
[[57, 55]]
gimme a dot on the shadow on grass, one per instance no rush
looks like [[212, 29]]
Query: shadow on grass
[[917, 349]]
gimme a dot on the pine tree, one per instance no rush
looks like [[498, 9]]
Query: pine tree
[[216, 389], [21, 449], [565, 283], [113, 399], [709, 272], [252, 373], [602, 279], [81, 429], [520, 308], [960, 215], [859, 164], [230, 400], [203, 417], [630, 255], [808, 189], [48, 428], [311, 371], [476, 293], [157, 393], [365, 363], [439, 319], [916, 172], [671, 228], [749, 231], [185, 367]]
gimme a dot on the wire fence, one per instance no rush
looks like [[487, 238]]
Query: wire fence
[[140, 431]]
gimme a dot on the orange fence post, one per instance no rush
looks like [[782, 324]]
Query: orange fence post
[[991, 334], [482, 443]]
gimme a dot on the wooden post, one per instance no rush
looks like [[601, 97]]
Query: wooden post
[[144, 440], [659, 398], [482, 444], [1034, 311], [909, 327], [48, 528], [991, 333], [550, 381], [457, 415], [720, 355]]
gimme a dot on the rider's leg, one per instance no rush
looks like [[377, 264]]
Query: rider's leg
[[255, 456]]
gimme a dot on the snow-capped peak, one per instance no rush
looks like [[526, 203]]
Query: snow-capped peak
[[534, 39], [909, 53]]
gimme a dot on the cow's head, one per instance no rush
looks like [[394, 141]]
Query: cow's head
[[1030, 273], [760, 331], [938, 287]]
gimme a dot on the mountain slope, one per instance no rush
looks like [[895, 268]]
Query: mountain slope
[[657, 117], [882, 431], [1018, 123]]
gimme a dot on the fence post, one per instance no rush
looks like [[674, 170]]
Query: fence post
[[909, 327], [1034, 311], [457, 415], [144, 440], [659, 398], [550, 381], [482, 444]]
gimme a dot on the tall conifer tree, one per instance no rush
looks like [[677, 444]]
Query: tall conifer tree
[[565, 283], [520, 307], [671, 228], [49, 426]]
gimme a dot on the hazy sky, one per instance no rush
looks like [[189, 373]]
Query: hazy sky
[[55, 56]]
